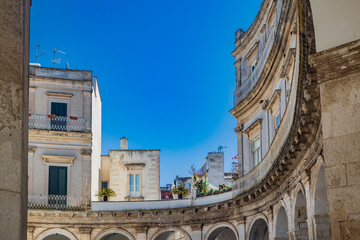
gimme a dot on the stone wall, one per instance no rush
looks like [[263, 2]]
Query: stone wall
[[119, 164], [339, 78], [14, 55]]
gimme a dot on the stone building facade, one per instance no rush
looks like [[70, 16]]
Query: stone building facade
[[133, 174], [297, 108], [213, 171], [64, 137]]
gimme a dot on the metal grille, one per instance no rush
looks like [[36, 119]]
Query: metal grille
[[57, 202], [58, 123]]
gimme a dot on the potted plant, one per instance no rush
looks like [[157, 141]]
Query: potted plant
[[210, 192], [181, 191], [201, 186], [106, 193]]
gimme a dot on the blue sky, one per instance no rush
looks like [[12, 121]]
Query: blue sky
[[164, 67]]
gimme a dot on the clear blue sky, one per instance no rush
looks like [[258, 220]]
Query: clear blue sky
[[164, 67]]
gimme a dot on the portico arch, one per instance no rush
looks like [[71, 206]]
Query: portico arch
[[114, 234], [222, 231], [56, 234], [259, 230], [281, 226], [321, 211], [174, 233], [300, 217]]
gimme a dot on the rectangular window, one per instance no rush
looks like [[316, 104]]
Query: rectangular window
[[59, 121], [255, 149], [134, 181], [104, 184], [57, 180]]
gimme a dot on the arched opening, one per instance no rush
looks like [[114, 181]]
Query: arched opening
[[56, 237], [115, 236], [222, 233], [281, 229], [171, 235], [259, 230], [301, 226], [321, 208]]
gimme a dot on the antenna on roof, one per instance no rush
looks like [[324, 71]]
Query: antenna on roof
[[67, 65], [220, 148], [59, 59], [37, 49]]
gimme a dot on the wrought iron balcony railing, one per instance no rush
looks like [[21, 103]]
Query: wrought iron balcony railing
[[57, 202], [58, 123]]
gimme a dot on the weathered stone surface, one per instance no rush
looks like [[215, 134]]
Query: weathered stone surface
[[14, 51]]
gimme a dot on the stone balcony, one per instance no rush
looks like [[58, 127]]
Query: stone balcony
[[59, 123], [57, 202]]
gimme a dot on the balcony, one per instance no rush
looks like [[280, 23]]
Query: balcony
[[250, 82], [57, 202], [58, 123]]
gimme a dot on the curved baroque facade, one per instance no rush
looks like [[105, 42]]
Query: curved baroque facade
[[292, 181]]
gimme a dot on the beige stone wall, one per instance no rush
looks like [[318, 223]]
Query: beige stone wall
[[339, 79], [14, 55], [119, 164]]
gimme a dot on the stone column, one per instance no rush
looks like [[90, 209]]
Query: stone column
[[240, 227], [86, 184], [238, 130], [309, 210], [85, 233], [30, 232], [338, 72], [141, 233], [14, 54], [196, 231]]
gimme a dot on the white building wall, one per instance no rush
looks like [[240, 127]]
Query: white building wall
[[96, 139], [74, 88]]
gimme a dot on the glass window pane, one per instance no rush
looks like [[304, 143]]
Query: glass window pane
[[131, 182], [104, 184], [256, 144], [278, 120], [137, 183]]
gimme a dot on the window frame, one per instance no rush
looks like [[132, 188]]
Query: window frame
[[135, 169], [253, 133], [258, 150]]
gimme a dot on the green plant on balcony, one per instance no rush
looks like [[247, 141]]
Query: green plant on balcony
[[105, 193], [181, 191], [201, 185]]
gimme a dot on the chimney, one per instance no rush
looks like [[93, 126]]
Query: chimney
[[123, 143]]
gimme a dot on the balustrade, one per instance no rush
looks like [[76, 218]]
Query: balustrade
[[58, 123], [57, 202]]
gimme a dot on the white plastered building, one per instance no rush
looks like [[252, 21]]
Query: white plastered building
[[64, 136]]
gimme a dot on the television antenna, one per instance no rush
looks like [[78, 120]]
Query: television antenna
[[36, 53], [59, 59], [67, 65], [220, 148]]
